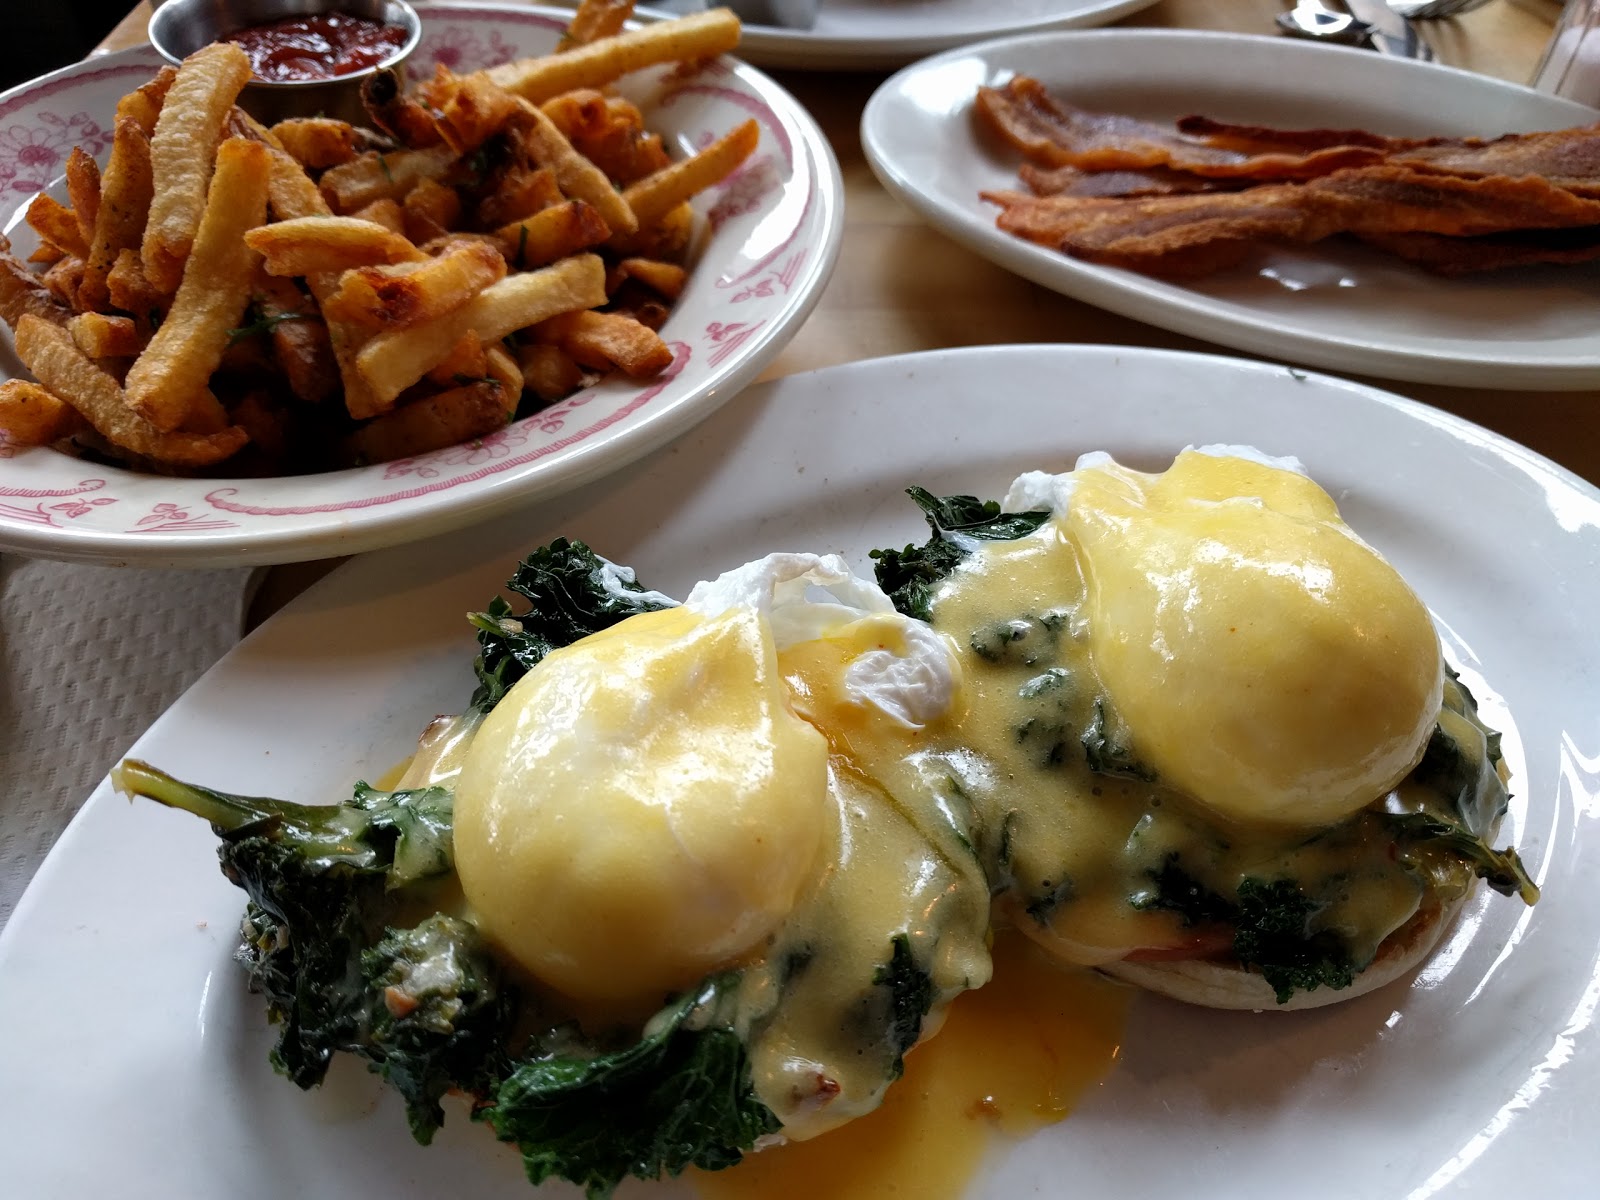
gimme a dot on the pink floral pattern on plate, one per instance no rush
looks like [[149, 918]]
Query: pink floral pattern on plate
[[771, 233]]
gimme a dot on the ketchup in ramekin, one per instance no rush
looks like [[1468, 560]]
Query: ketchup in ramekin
[[320, 47]]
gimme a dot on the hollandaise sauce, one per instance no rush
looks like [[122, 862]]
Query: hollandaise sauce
[[1184, 682], [1009, 1059]]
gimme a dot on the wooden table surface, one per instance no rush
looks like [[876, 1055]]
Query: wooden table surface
[[900, 286]]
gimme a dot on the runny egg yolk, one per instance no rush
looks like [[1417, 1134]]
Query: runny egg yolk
[[642, 807], [1264, 659]]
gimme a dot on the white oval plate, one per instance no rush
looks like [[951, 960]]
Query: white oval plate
[[123, 1018], [877, 34], [1343, 307], [769, 239]]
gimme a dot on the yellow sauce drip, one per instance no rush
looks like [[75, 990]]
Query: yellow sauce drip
[[1012, 1057]]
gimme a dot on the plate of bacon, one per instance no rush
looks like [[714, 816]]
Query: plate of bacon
[[1308, 203]]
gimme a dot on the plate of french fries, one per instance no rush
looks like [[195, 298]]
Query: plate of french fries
[[558, 242]]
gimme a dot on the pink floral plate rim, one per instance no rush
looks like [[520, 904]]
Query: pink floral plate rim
[[771, 237]]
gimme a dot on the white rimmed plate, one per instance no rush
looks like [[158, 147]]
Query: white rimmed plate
[[873, 34], [1334, 305], [769, 240], [137, 1061]]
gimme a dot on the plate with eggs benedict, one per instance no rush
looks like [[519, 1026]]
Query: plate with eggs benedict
[[1453, 1074]]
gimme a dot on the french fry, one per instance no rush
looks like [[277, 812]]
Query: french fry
[[400, 297], [431, 423], [316, 245], [374, 176], [125, 192], [64, 279], [33, 416], [503, 369], [553, 233], [300, 341], [522, 191], [130, 291], [167, 384], [663, 278], [548, 371], [143, 104], [291, 193], [57, 363], [579, 178], [603, 340], [402, 116], [656, 195], [430, 210], [45, 253], [317, 142], [22, 294], [385, 212], [609, 131], [595, 19], [393, 361], [471, 110], [182, 153], [466, 363], [703, 35], [56, 224], [102, 336], [668, 239], [83, 189], [264, 422]]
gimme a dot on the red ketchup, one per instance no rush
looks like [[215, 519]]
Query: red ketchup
[[302, 48]]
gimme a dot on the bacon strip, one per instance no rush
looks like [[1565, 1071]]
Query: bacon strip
[[1467, 255], [1152, 181]]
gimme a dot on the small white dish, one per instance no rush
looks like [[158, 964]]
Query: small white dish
[[123, 1017], [770, 238], [1340, 306]]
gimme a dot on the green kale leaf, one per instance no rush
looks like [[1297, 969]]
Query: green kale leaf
[[910, 996], [572, 592], [681, 1096], [910, 575], [1500, 869]]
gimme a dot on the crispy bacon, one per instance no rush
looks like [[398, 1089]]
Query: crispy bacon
[[1467, 255], [1152, 181]]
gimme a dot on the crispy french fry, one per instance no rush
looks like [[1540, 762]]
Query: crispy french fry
[[167, 384], [579, 178], [64, 279], [703, 35], [83, 189], [399, 297], [182, 152], [47, 254], [300, 341], [317, 142], [521, 192], [464, 364], [431, 209], [471, 110], [503, 369], [21, 293], [668, 240], [266, 423], [314, 245], [431, 423], [595, 19], [125, 192], [373, 176], [56, 224], [34, 416], [58, 364], [609, 131], [394, 112], [663, 278], [553, 233], [291, 193], [143, 104], [385, 212], [130, 291], [548, 371], [604, 340], [655, 196], [102, 336], [392, 362]]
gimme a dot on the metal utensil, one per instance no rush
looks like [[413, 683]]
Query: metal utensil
[[1313, 19], [1427, 10], [1391, 33]]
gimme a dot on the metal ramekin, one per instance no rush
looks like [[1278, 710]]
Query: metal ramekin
[[180, 27]]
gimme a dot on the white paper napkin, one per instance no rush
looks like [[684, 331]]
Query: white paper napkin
[[89, 658]]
